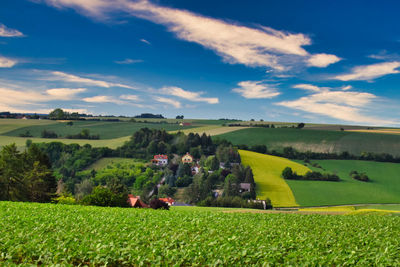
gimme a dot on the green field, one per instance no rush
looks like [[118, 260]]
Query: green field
[[106, 130], [384, 186], [49, 234], [267, 172], [317, 140]]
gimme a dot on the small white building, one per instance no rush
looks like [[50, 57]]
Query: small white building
[[160, 160]]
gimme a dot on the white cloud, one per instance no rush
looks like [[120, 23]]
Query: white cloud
[[7, 32], [62, 76], [235, 43], [7, 62], [130, 97], [370, 72], [347, 87], [65, 93], [168, 101], [103, 99], [256, 89], [128, 61], [322, 60], [308, 87], [145, 41], [191, 96], [342, 105]]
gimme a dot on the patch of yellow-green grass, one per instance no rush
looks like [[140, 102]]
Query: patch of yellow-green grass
[[267, 172], [21, 141], [7, 125], [211, 130], [103, 162], [330, 209], [373, 212]]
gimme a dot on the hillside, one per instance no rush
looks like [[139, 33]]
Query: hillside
[[384, 186], [267, 175], [317, 140]]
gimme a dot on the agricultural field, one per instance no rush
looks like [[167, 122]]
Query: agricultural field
[[317, 140], [267, 172], [106, 130], [49, 234], [211, 130], [384, 186]]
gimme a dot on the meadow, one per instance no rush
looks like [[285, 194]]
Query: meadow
[[49, 234], [267, 172], [104, 162], [384, 186], [317, 140]]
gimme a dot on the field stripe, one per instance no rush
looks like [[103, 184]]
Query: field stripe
[[267, 175], [211, 130]]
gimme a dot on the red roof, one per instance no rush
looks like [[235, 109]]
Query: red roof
[[168, 200], [136, 202], [160, 157]]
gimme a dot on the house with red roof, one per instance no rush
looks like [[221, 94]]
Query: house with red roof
[[160, 160], [168, 200], [135, 202]]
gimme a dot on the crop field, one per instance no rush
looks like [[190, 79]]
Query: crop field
[[49, 234], [267, 175], [106, 130], [317, 140], [384, 186], [210, 130]]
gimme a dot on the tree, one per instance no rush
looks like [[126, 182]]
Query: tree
[[166, 191], [57, 114], [300, 125], [287, 173], [83, 189], [179, 117], [231, 186], [156, 203], [103, 196], [212, 163]]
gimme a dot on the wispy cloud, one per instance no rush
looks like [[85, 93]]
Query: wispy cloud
[[130, 97], [62, 76], [370, 72], [342, 105], [145, 41], [128, 61], [235, 43], [256, 89], [322, 60], [7, 62], [7, 32], [188, 95], [168, 101], [103, 99]]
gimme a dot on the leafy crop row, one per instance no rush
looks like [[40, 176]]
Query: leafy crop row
[[71, 235]]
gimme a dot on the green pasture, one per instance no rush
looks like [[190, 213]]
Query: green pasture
[[316, 140], [33, 234], [384, 186], [103, 162], [267, 172]]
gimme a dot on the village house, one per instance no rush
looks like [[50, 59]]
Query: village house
[[160, 160], [195, 169], [187, 158], [244, 187], [185, 124], [135, 202], [168, 200]]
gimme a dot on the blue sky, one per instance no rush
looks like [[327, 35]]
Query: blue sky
[[310, 61]]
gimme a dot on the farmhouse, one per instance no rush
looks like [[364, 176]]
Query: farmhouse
[[244, 187], [185, 124], [160, 160], [135, 202], [168, 200], [187, 158]]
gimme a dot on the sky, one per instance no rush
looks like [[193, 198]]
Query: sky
[[295, 61]]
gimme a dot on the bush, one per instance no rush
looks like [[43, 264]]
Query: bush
[[65, 199], [363, 177], [156, 204], [288, 173], [104, 197], [49, 134]]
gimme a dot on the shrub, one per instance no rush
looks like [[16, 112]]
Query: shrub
[[363, 177], [49, 134], [156, 204], [65, 199]]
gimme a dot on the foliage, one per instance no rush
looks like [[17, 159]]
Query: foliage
[[288, 173], [45, 234], [48, 134], [359, 176], [103, 196], [65, 199], [84, 134]]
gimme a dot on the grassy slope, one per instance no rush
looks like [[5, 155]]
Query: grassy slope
[[317, 140], [384, 187], [106, 130], [267, 175], [7, 125]]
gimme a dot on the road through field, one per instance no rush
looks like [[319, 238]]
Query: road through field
[[267, 175]]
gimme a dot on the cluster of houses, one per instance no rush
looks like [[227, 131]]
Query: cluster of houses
[[162, 161]]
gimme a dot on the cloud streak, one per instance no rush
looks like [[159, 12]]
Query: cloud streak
[[174, 103], [7, 32], [7, 62], [256, 90], [235, 43], [370, 72], [188, 95]]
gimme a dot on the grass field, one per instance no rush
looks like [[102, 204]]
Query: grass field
[[103, 162], [317, 140], [267, 175], [48, 234], [106, 130], [384, 186], [210, 130]]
